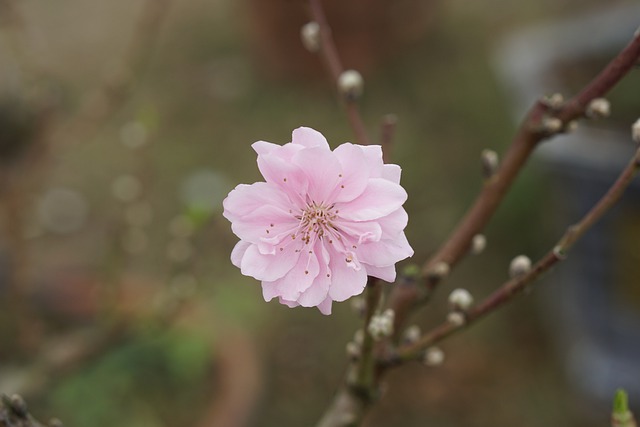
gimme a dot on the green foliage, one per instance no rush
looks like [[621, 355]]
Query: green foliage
[[133, 384]]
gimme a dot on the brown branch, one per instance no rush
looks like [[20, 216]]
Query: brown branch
[[333, 64], [14, 413], [516, 285], [530, 133], [387, 133]]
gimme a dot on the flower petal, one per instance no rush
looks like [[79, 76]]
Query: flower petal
[[345, 281], [288, 177], [268, 267], [319, 289], [299, 278], [379, 199], [245, 199], [392, 173], [263, 223], [309, 138], [355, 172], [238, 252], [385, 252], [388, 273], [393, 224], [322, 170], [325, 306]]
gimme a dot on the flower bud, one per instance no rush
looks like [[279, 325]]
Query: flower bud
[[456, 318], [19, 406], [351, 84], [381, 325], [411, 334], [572, 126], [310, 35], [353, 350], [551, 125], [433, 356], [439, 271], [490, 162], [478, 244], [598, 108], [554, 101], [635, 131], [460, 300], [519, 265]]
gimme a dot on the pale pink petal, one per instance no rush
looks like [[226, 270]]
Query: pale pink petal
[[359, 232], [325, 306], [392, 173], [345, 281], [290, 304], [238, 252], [385, 252], [355, 172], [379, 199], [299, 277], [373, 154], [264, 222], [269, 291], [322, 170], [317, 292], [309, 138], [268, 267], [394, 223], [244, 199], [388, 273], [288, 177], [264, 147]]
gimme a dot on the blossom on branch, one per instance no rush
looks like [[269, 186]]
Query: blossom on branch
[[321, 223]]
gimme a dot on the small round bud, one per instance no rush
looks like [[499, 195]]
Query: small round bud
[[310, 35], [19, 406], [551, 125], [351, 84], [353, 350], [635, 131], [460, 300], [478, 244], [381, 325], [519, 265], [358, 337], [490, 162], [598, 108], [439, 271], [412, 334], [433, 356], [554, 101], [572, 126], [358, 305], [456, 318]]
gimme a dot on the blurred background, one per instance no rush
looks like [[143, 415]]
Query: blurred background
[[124, 124]]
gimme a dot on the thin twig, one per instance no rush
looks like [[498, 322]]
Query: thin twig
[[332, 61], [516, 285], [530, 133], [387, 133]]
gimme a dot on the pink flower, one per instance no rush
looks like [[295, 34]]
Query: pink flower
[[321, 223]]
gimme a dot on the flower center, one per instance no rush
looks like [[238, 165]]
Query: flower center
[[315, 221]]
